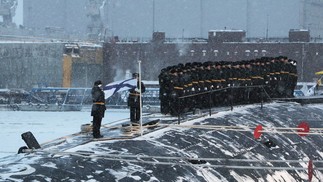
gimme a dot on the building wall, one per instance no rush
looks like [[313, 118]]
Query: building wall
[[67, 71], [87, 68], [154, 57], [29, 65], [26, 65]]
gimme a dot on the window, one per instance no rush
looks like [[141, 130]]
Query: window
[[216, 53], [204, 52], [192, 52], [180, 52], [247, 52], [263, 52], [255, 52], [297, 53]]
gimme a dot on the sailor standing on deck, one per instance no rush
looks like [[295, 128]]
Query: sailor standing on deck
[[98, 108], [134, 100]]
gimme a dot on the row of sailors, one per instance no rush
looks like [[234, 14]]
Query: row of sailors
[[203, 85]]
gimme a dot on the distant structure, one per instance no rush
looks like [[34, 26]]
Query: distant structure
[[77, 64], [7, 12], [221, 45], [29, 64], [72, 19], [95, 11], [82, 63], [89, 19]]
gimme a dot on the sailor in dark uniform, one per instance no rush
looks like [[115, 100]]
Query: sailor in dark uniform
[[257, 76], [174, 90], [228, 84], [217, 79], [98, 108], [187, 87], [293, 75], [134, 100], [163, 90]]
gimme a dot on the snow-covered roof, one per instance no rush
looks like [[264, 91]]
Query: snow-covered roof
[[226, 30]]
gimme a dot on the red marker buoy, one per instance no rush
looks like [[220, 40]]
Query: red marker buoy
[[304, 128]]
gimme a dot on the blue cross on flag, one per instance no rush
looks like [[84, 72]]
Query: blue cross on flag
[[119, 86]]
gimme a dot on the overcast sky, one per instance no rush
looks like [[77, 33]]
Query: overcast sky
[[177, 18]]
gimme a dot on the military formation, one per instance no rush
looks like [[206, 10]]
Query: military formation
[[190, 86]]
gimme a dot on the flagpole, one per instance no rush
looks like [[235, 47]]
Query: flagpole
[[140, 98]]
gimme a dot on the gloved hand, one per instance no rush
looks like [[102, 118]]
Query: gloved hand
[[137, 90]]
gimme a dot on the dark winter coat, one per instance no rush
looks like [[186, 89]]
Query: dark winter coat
[[98, 107], [134, 96]]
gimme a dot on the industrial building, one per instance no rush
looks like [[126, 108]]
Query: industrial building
[[158, 33], [221, 45]]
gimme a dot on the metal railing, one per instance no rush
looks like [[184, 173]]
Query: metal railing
[[229, 90]]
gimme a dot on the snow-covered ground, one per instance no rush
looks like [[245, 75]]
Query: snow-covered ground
[[45, 126]]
